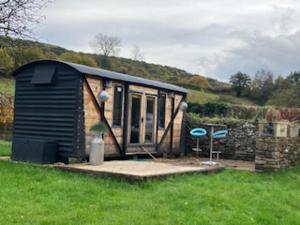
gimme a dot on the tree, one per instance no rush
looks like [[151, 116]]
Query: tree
[[105, 45], [240, 82], [294, 77], [286, 91], [24, 55], [137, 54], [287, 97], [281, 84], [262, 86], [78, 58], [16, 16], [199, 82]]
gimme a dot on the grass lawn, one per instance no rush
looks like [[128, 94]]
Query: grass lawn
[[40, 195], [5, 148]]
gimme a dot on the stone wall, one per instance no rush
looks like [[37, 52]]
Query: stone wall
[[240, 143], [273, 153]]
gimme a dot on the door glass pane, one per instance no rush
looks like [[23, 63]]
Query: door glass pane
[[149, 120], [135, 119]]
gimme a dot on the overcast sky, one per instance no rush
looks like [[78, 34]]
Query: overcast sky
[[215, 38]]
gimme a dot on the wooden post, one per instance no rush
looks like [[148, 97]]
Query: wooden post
[[182, 133], [125, 118], [157, 120], [171, 122]]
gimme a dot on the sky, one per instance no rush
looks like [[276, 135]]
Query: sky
[[214, 38]]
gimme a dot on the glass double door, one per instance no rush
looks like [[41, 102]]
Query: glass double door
[[142, 119]]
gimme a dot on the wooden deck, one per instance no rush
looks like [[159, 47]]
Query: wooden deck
[[137, 170]]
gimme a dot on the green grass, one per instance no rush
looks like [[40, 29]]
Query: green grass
[[7, 85], [5, 148], [204, 97], [32, 194], [201, 96]]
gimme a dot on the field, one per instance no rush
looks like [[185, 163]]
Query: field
[[33, 194], [205, 96], [7, 85]]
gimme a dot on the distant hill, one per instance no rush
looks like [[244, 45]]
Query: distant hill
[[119, 64], [16, 52]]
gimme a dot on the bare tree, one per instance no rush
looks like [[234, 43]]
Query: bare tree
[[17, 16], [137, 54], [106, 45]]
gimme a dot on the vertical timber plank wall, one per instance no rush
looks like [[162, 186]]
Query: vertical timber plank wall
[[92, 116], [165, 147], [110, 147], [177, 126]]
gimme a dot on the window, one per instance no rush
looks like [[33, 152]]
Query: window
[[118, 106], [43, 74], [162, 111]]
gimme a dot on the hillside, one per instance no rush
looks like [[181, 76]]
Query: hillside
[[207, 96], [18, 52]]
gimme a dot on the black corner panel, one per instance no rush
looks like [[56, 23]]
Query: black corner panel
[[34, 150]]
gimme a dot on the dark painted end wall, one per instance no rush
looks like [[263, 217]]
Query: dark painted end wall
[[50, 111]]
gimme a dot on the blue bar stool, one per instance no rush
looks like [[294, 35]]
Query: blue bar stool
[[198, 132], [218, 135]]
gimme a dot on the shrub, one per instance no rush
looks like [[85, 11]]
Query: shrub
[[218, 109], [209, 109], [99, 127]]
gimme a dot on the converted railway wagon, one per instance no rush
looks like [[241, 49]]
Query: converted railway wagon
[[56, 103]]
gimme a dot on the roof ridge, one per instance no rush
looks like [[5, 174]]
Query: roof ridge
[[110, 74]]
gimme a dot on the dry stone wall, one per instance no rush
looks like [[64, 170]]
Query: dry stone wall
[[273, 153], [240, 143]]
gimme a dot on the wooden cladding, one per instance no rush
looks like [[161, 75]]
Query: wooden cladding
[[58, 101], [147, 113], [162, 110]]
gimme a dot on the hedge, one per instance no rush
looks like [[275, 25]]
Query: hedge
[[216, 109]]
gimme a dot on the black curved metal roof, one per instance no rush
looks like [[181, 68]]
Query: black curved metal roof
[[108, 74]]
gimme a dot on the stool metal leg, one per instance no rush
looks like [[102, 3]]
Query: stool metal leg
[[211, 162], [197, 149], [211, 144]]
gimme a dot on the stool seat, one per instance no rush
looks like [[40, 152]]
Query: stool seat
[[198, 132], [220, 134]]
